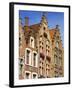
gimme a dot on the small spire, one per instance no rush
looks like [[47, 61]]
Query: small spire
[[44, 17], [57, 26]]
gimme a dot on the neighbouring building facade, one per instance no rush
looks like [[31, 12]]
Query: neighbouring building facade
[[41, 54]]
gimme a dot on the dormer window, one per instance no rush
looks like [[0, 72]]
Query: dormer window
[[32, 42]]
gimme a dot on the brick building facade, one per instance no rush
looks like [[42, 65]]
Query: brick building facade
[[40, 50]]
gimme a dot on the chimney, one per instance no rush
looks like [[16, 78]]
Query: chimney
[[26, 21]]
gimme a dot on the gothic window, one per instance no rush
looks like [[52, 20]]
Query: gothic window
[[27, 75], [34, 59], [34, 75], [32, 42], [28, 56], [28, 53]]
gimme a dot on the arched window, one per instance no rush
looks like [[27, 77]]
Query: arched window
[[28, 56], [27, 75], [20, 66], [34, 75], [35, 59], [32, 42]]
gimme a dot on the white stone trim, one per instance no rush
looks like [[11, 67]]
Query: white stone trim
[[29, 73], [35, 74]]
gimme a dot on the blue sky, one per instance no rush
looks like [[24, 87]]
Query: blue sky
[[53, 19]]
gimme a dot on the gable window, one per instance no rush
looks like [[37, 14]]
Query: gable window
[[32, 42]]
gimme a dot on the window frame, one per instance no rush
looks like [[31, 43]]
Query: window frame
[[26, 56], [29, 73], [34, 52], [32, 44], [35, 74]]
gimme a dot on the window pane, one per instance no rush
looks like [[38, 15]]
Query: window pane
[[32, 42], [34, 76], [34, 61], [27, 75], [28, 53]]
